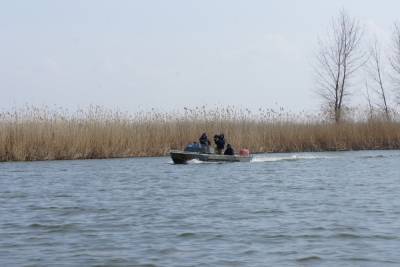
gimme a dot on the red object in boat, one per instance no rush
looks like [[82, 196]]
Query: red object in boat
[[244, 152]]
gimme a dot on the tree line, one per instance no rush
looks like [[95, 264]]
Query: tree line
[[343, 54]]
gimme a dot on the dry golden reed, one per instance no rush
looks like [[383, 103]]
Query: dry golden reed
[[43, 134]]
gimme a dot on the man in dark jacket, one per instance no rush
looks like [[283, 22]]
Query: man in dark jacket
[[220, 143], [204, 140]]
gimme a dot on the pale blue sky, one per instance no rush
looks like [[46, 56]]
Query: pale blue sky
[[169, 54]]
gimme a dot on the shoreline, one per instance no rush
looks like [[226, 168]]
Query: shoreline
[[167, 155], [41, 135]]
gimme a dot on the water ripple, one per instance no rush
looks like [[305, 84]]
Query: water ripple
[[301, 209]]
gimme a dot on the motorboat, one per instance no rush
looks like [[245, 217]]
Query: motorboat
[[207, 154]]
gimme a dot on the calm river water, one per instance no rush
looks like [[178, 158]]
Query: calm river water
[[303, 209]]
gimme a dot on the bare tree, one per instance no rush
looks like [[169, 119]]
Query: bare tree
[[338, 58], [376, 73], [395, 59], [370, 106]]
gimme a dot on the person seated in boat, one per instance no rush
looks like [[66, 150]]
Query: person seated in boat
[[229, 150], [219, 141]]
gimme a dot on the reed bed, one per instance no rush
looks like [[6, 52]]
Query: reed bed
[[35, 133]]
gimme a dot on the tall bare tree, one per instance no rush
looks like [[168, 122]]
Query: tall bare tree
[[338, 59], [376, 73], [370, 106], [395, 59]]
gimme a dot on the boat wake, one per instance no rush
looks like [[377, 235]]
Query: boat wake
[[196, 161], [270, 158]]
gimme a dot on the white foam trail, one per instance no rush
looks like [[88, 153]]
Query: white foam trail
[[196, 161], [266, 158]]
